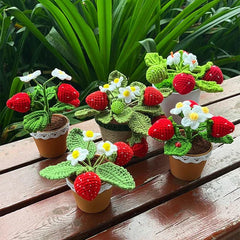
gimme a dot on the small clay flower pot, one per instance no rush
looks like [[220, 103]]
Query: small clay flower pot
[[100, 203], [51, 142], [115, 132], [190, 166]]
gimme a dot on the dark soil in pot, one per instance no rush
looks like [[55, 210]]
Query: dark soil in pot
[[57, 121], [199, 145]]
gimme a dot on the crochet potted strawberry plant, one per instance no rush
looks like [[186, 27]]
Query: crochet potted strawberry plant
[[189, 143], [91, 175], [48, 129], [124, 112], [179, 78]]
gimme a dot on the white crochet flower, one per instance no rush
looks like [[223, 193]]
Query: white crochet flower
[[117, 82], [191, 60], [193, 117], [206, 113], [126, 94], [173, 58], [135, 90], [107, 87], [90, 135], [180, 107], [60, 74], [77, 155], [107, 148], [30, 76]]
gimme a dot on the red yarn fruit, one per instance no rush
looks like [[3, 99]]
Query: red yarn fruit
[[162, 129], [67, 93], [87, 185], [221, 126], [184, 83], [97, 100], [19, 102], [193, 103], [75, 102], [140, 149], [124, 153], [152, 96], [214, 74], [157, 118]]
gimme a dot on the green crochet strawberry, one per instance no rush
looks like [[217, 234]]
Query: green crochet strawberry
[[221, 126], [67, 93], [117, 107], [184, 83], [156, 74], [152, 96], [162, 129], [124, 153], [19, 102], [75, 102], [97, 100], [87, 185], [214, 74], [140, 149]]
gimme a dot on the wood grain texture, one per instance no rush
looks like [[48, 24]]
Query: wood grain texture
[[25, 151], [203, 213], [58, 218]]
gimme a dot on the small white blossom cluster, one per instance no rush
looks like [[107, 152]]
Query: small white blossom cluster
[[187, 58], [192, 116]]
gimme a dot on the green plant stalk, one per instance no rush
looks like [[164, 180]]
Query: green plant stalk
[[99, 160], [89, 161]]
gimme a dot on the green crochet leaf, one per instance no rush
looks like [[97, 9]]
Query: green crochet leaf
[[35, 121], [60, 107], [115, 175], [208, 86], [226, 139], [104, 117], [171, 149], [124, 116], [165, 92], [154, 59], [151, 110], [138, 84], [51, 92], [61, 170], [202, 69], [116, 74], [135, 138], [75, 140], [86, 113], [139, 123], [167, 83]]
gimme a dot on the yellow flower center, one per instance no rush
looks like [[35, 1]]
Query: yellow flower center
[[60, 72], [179, 105], [205, 109], [133, 89], [30, 75], [193, 116], [106, 86], [116, 80], [106, 146], [89, 134], [126, 93], [75, 154]]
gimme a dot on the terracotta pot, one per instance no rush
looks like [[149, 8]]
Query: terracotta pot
[[190, 166], [52, 143], [114, 132], [100, 203]]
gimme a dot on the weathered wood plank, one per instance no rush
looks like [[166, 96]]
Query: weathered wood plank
[[154, 184], [206, 212]]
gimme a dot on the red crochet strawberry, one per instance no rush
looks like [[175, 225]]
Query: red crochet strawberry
[[184, 83], [87, 185], [214, 74], [124, 153], [193, 103], [67, 93], [140, 149], [19, 102], [162, 129], [152, 96], [221, 126], [97, 100], [75, 102], [157, 118]]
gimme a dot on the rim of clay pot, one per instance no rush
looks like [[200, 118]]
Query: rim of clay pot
[[114, 127], [52, 133], [200, 154]]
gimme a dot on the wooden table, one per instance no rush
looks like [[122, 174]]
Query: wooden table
[[161, 207]]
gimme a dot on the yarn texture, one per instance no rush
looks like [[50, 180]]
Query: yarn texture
[[221, 126], [140, 149], [184, 83], [124, 153], [19, 102], [67, 93], [97, 100], [156, 74], [214, 74], [152, 96]]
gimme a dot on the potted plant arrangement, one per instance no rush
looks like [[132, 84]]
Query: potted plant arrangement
[[91, 175], [189, 143], [48, 129], [179, 78], [124, 112]]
